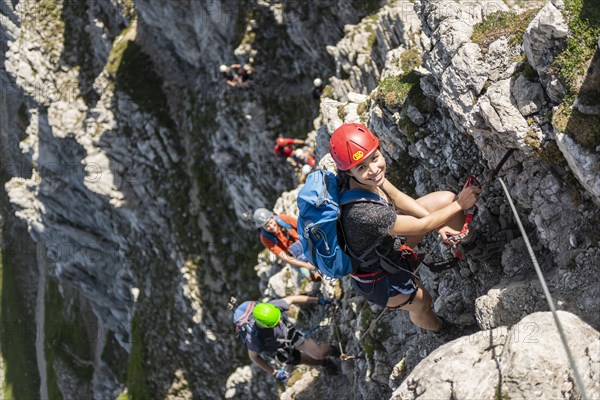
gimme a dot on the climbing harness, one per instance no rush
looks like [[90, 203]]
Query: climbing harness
[[540, 275], [437, 266], [291, 340]]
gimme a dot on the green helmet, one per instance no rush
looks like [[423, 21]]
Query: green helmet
[[266, 315]]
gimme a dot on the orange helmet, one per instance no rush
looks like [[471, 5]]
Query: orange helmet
[[350, 144]]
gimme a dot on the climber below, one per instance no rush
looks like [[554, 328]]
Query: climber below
[[268, 334], [279, 234], [285, 146], [318, 87], [236, 75], [297, 157]]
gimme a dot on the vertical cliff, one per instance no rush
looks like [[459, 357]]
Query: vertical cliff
[[128, 166]]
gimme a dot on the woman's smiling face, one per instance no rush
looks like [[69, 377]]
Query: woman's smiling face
[[370, 172]]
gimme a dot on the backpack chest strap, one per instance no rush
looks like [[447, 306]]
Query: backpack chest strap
[[361, 196]]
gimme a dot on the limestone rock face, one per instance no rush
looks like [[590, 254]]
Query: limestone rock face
[[582, 162], [500, 113], [511, 360], [528, 95], [542, 35]]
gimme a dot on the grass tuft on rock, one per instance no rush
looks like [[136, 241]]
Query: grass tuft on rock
[[501, 23], [582, 128], [394, 90], [583, 20], [137, 381], [21, 378], [410, 59]]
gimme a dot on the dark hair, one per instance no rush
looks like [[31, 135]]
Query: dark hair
[[343, 179]]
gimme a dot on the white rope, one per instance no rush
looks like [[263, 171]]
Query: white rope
[[546, 293]]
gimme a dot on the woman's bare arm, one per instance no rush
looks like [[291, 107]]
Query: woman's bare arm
[[408, 225], [404, 203]]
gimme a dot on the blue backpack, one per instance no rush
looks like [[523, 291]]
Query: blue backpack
[[319, 203]]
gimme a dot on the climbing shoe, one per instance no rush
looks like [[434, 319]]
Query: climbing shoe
[[485, 246], [330, 367]]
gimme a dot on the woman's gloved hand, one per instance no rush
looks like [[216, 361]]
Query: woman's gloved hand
[[323, 302]]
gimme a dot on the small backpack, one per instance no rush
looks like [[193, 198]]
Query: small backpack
[[319, 227], [243, 319]]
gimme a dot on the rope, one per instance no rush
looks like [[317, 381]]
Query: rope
[[318, 325], [336, 333], [538, 270]]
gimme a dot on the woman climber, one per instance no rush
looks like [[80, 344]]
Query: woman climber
[[397, 221]]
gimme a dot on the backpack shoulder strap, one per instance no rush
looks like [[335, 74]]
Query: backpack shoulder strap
[[269, 236], [285, 226], [282, 223], [242, 319], [361, 196]]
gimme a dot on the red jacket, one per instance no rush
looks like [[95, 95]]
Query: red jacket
[[283, 151], [284, 146]]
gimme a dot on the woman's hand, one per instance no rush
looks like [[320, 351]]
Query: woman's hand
[[468, 197], [446, 231], [308, 266]]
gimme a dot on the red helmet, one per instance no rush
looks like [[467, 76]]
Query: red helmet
[[350, 144]]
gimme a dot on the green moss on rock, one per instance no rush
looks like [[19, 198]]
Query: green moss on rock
[[328, 92], [137, 380], [135, 74], [574, 66], [368, 6], [46, 17], [65, 337], [21, 378], [583, 20], [582, 128]]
